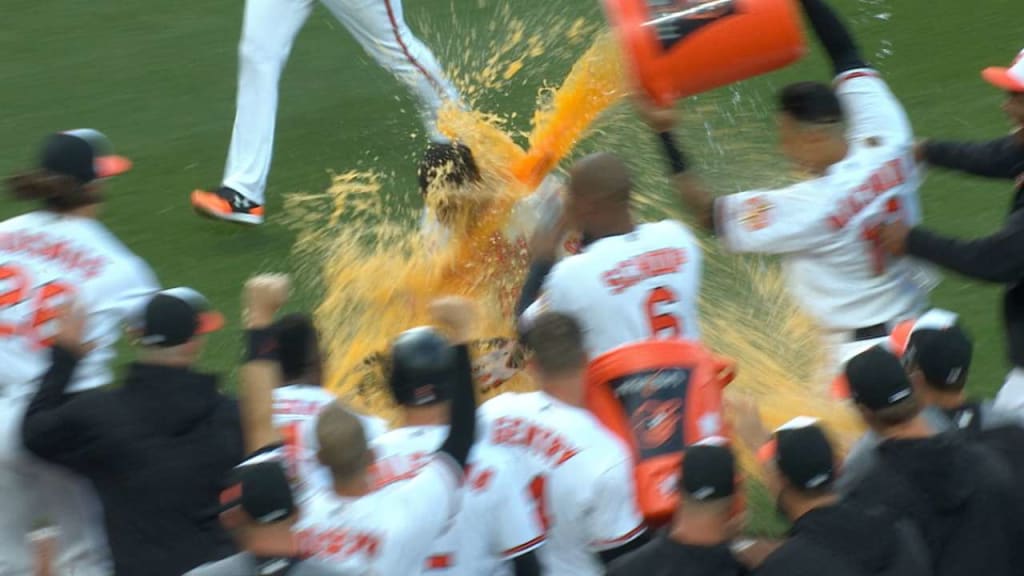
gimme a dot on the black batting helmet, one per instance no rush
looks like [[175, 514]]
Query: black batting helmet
[[422, 367]]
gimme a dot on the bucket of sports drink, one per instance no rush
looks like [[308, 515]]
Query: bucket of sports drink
[[659, 396], [677, 48]]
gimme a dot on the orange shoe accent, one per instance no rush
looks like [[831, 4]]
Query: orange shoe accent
[[212, 205]]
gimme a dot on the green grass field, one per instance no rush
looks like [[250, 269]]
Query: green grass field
[[159, 79]]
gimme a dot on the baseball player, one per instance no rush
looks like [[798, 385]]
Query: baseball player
[[388, 531], [47, 258], [300, 399], [580, 474], [495, 523], [856, 140], [630, 282], [268, 30]]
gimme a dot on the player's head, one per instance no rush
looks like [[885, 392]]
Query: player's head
[[343, 449], [446, 175], [937, 361], [173, 325], [800, 466], [599, 190], [71, 167], [1010, 79], [423, 368], [708, 486], [299, 349], [811, 128], [881, 389], [555, 341]]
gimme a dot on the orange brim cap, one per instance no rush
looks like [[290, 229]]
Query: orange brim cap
[[107, 166], [1003, 78], [210, 321]]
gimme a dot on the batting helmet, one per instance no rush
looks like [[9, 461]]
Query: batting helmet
[[422, 367]]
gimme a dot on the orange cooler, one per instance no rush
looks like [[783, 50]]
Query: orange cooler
[[677, 48], [659, 396]]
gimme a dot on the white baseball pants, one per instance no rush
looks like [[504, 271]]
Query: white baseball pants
[[1011, 396], [268, 31], [32, 491]]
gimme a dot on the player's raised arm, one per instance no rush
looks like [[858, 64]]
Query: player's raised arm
[[264, 296], [834, 36], [457, 317]]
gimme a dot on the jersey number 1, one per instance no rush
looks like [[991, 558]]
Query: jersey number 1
[[537, 493], [872, 234], [663, 324], [16, 287]]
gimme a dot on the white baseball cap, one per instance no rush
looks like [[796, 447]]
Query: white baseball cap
[[1010, 79]]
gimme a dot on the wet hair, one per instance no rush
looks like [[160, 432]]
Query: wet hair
[[57, 192], [811, 103], [450, 163], [298, 346], [556, 341]]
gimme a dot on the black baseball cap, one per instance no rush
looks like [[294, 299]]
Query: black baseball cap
[[173, 317], [260, 490], [709, 470], [803, 454], [84, 154], [877, 379], [943, 356]]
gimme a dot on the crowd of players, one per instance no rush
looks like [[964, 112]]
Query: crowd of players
[[165, 475]]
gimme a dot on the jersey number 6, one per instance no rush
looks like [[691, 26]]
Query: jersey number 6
[[663, 324], [45, 300]]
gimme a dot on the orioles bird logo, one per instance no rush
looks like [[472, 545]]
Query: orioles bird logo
[[656, 421]]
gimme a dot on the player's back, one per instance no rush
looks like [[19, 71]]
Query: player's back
[[48, 260], [580, 476], [631, 287], [495, 521]]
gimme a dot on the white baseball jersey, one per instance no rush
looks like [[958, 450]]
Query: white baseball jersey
[[581, 478], [389, 531], [496, 521], [628, 288], [47, 260], [296, 408], [827, 229]]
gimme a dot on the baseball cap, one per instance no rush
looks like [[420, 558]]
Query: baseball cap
[[172, 317], [709, 470], [877, 379], [803, 454], [260, 490], [934, 319], [942, 355], [1010, 78], [84, 154]]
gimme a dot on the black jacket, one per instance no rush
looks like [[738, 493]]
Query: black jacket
[[850, 542], [157, 450], [958, 494], [666, 557], [998, 257]]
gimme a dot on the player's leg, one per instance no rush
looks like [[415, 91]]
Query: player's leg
[[17, 501], [72, 504], [1011, 396], [269, 29], [379, 26]]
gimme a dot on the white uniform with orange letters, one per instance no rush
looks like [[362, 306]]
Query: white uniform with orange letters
[[826, 229], [628, 288], [48, 260], [296, 408], [496, 521], [389, 531], [580, 477]]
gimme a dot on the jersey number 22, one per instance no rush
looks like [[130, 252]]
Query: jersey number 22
[[45, 300]]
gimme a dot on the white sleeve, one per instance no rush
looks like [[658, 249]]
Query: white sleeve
[[516, 527], [613, 517], [871, 109], [555, 296], [771, 221]]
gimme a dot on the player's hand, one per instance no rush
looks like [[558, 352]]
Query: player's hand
[[547, 238], [893, 237], [263, 297], [919, 151], [746, 420], [71, 330], [456, 316], [659, 118]]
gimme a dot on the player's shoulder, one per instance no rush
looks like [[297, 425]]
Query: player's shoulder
[[668, 227], [504, 404]]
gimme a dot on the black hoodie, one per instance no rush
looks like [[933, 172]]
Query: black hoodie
[[157, 450], [850, 542], [959, 495]]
